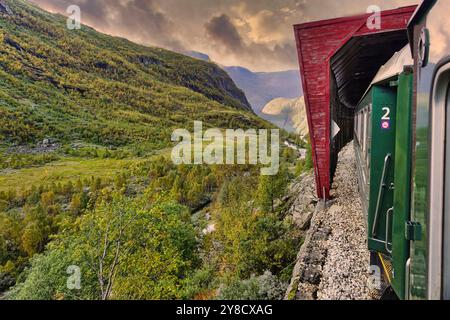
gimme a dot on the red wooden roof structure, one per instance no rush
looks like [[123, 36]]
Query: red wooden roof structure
[[338, 59]]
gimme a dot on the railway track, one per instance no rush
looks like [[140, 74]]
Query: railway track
[[333, 262]]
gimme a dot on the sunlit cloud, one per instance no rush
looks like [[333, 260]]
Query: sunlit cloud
[[254, 34]]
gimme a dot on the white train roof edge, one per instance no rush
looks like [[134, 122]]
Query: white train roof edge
[[393, 67]]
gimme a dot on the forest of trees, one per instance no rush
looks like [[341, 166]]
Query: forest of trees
[[131, 242]]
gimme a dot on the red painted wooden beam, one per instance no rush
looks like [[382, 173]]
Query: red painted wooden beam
[[317, 42]]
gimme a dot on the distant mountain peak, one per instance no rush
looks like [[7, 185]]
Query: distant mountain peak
[[262, 87], [197, 55], [288, 114]]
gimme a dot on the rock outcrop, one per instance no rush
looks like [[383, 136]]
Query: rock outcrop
[[288, 114], [4, 8], [48, 145], [301, 201]]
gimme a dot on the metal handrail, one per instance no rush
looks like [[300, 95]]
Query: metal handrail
[[388, 224], [380, 194], [408, 280]]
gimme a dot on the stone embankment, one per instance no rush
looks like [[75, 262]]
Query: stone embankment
[[333, 262]]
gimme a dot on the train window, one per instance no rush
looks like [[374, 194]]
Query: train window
[[360, 130], [439, 185], [363, 124], [362, 127], [357, 129], [364, 132]]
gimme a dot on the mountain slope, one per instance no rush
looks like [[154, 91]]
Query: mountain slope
[[86, 174], [262, 87], [84, 85], [288, 114]]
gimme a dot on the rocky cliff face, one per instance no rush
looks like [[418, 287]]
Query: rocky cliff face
[[220, 79], [262, 87], [288, 114], [4, 8]]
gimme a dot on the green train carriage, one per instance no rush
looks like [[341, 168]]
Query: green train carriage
[[382, 141], [402, 142]]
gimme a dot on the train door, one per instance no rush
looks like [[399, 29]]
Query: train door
[[382, 153], [402, 185]]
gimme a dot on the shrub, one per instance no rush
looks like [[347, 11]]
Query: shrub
[[264, 287]]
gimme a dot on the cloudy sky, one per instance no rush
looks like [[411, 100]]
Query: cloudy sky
[[256, 34]]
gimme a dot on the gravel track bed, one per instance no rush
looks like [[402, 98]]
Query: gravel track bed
[[333, 261]]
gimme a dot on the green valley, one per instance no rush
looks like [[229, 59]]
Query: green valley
[[87, 184]]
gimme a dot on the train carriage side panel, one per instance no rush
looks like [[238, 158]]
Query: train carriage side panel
[[402, 180], [430, 246], [419, 203]]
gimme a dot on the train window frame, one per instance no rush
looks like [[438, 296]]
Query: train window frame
[[437, 249], [359, 129], [364, 133], [367, 133], [446, 224]]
